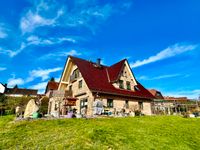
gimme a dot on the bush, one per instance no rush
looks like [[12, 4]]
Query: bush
[[44, 105], [138, 113]]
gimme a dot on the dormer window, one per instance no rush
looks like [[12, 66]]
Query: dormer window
[[128, 85], [121, 84], [136, 88]]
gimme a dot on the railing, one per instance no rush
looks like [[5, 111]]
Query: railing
[[73, 78], [66, 93]]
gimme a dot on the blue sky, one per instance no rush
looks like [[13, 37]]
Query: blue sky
[[160, 39]]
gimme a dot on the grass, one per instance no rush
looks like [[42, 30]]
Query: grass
[[160, 132]]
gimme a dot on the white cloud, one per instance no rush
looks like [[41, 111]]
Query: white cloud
[[41, 73], [3, 33], [72, 53], [166, 53], [35, 40], [15, 81], [40, 15], [192, 94], [2, 68], [12, 53], [159, 77], [81, 14], [40, 87], [59, 54]]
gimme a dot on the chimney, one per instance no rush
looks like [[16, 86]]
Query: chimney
[[98, 62]]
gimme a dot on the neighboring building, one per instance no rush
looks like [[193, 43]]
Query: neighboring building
[[2, 88], [51, 86], [156, 94], [176, 99], [86, 82], [159, 104], [19, 92]]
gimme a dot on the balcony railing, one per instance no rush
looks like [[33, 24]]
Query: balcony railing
[[73, 77], [66, 93]]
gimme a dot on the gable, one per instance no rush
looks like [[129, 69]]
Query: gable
[[71, 77], [64, 81], [126, 74]]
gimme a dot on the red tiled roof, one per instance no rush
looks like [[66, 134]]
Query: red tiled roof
[[97, 79], [156, 93], [21, 91], [51, 85], [115, 70]]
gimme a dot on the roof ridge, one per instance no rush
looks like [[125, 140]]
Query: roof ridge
[[107, 74]]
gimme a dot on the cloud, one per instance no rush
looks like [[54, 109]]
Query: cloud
[[15, 81], [40, 87], [41, 73], [34, 18], [192, 94], [159, 77], [72, 53], [87, 14], [12, 53], [59, 54], [35, 40], [166, 53], [2, 68], [3, 31]]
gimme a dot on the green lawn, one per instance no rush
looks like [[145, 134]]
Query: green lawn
[[161, 132]]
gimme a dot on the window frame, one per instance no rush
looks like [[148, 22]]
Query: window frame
[[141, 105], [127, 104], [121, 84], [110, 103], [128, 85], [80, 84]]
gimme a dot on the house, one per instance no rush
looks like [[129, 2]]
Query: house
[[51, 86], [19, 92], [159, 104], [157, 94], [2, 88], [84, 82], [176, 99]]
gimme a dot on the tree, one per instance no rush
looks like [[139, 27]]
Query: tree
[[16, 86], [52, 79], [2, 104]]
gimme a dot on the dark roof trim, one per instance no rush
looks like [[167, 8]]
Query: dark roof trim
[[112, 93]]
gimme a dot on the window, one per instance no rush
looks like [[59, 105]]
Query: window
[[70, 88], [110, 103], [126, 104], [76, 73], [56, 107], [140, 105], [83, 103], [128, 85], [121, 84], [80, 84]]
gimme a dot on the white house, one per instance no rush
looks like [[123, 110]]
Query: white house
[[2, 88]]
